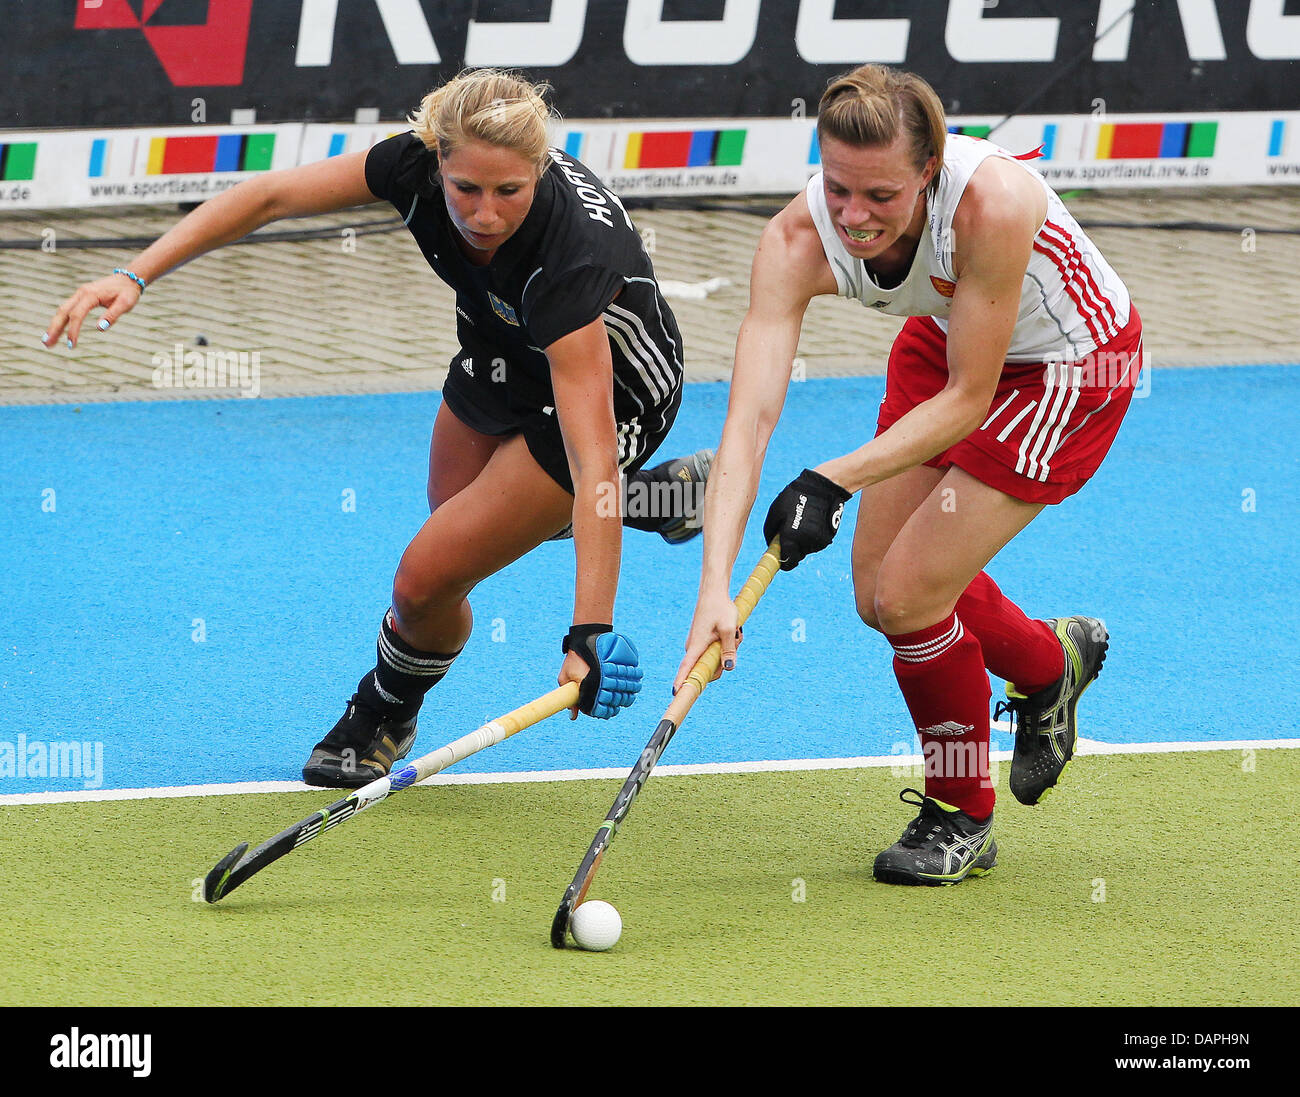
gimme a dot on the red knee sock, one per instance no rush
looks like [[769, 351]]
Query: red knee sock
[[1017, 649], [941, 672]]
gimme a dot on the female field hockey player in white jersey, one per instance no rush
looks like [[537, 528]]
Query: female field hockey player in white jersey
[[569, 374], [1005, 389]]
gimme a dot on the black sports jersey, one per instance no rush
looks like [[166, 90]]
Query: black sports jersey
[[575, 258]]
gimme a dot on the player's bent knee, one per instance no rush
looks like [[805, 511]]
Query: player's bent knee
[[864, 594], [866, 603], [417, 596], [896, 612]]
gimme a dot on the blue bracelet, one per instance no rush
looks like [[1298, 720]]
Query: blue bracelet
[[133, 276]]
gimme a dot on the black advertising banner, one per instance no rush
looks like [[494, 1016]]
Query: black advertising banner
[[104, 63]]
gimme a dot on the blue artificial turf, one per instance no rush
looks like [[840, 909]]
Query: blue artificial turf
[[186, 584]]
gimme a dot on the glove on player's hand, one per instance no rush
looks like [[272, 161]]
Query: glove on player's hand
[[805, 516], [615, 676]]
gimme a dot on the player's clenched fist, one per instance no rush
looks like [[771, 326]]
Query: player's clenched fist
[[805, 516]]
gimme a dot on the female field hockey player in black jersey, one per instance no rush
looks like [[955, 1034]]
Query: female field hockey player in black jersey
[[569, 374]]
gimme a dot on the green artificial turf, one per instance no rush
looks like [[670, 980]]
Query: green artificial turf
[[1145, 880]]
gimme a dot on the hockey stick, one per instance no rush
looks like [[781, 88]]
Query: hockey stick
[[238, 865], [701, 675]]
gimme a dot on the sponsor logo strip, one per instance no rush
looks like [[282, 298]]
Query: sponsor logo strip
[[1156, 140], [216, 153], [684, 149], [18, 161]]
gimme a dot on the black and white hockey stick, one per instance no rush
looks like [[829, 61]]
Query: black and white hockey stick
[[701, 675], [238, 865]]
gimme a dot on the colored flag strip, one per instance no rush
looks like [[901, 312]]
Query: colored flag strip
[[18, 161], [685, 149], [199, 155], [1156, 140]]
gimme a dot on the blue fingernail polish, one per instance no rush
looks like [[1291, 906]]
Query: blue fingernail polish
[[103, 325], [729, 664], [69, 344], [45, 338]]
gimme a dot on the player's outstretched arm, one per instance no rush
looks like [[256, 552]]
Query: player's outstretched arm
[[789, 269], [338, 183]]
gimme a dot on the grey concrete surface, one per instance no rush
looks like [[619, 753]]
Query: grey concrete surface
[[357, 310]]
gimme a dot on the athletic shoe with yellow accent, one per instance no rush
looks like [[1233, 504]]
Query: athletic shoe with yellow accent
[[1045, 725], [360, 748], [942, 845], [692, 474]]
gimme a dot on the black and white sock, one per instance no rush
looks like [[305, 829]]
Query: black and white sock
[[402, 675]]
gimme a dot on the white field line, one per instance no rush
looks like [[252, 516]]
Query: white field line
[[1085, 746]]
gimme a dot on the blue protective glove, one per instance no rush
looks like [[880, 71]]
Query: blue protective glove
[[615, 676]]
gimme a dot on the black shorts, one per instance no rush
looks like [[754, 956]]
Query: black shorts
[[480, 396]]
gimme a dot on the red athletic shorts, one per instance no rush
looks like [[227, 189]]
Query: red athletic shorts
[[1049, 425]]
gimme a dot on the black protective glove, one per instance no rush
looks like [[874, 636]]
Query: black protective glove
[[805, 516]]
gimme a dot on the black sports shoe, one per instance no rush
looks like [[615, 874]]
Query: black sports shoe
[[692, 473], [360, 748], [942, 845], [1045, 726]]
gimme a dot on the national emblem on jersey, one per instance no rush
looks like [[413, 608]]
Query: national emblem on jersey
[[502, 309], [943, 287]]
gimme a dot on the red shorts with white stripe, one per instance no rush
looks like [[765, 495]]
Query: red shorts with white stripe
[[1049, 425]]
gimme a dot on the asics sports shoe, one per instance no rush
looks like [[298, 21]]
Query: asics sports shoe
[[942, 845], [692, 473], [360, 748], [1045, 726]]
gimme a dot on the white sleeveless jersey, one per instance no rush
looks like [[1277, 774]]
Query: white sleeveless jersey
[[1071, 301]]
